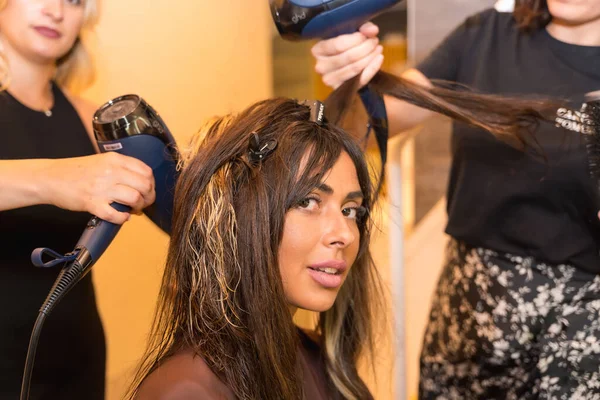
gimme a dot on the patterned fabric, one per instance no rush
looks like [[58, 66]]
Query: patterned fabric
[[509, 327]]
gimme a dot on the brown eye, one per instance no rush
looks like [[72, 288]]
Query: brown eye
[[309, 203], [356, 213]]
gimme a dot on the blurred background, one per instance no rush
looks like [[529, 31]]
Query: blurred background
[[194, 59]]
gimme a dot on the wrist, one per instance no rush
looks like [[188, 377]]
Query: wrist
[[40, 182]]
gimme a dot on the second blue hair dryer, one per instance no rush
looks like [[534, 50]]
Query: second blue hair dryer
[[322, 19]]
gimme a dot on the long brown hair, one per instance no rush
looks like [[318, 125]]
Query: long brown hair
[[532, 14], [513, 120], [221, 293]]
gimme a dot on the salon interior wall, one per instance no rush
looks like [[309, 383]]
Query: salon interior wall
[[190, 60], [429, 21]]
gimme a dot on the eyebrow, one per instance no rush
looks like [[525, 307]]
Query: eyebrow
[[328, 190]]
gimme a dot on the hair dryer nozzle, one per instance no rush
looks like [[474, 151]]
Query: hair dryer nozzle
[[127, 116]]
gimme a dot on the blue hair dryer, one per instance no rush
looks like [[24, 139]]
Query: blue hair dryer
[[322, 19], [128, 125]]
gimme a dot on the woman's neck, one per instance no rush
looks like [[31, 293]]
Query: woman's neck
[[30, 83], [587, 34]]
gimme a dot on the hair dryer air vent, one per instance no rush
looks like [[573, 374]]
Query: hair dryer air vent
[[117, 109]]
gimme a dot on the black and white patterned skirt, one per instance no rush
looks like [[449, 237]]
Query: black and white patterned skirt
[[508, 327]]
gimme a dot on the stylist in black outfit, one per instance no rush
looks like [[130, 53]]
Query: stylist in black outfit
[[516, 314], [50, 180]]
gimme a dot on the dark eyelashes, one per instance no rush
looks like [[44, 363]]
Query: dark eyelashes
[[361, 211], [303, 203]]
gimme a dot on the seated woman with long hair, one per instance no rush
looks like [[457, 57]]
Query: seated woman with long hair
[[271, 215]]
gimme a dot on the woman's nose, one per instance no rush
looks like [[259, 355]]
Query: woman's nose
[[339, 230], [54, 9]]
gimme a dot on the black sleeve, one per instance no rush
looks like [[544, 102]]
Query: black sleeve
[[445, 60]]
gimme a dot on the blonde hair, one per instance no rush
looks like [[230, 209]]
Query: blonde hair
[[75, 70]]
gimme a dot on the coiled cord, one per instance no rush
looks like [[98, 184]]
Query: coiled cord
[[66, 280]]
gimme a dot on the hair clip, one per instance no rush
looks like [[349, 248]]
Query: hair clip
[[257, 151], [317, 111]]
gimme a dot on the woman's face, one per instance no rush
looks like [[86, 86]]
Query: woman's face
[[321, 239], [574, 12], [41, 31]]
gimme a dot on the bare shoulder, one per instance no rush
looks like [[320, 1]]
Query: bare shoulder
[[85, 109], [183, 376]]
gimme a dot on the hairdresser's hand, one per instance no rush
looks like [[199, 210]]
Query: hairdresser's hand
[[343, 57], [91, 183]]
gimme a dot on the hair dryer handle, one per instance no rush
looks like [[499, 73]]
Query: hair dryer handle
[[98, 235]]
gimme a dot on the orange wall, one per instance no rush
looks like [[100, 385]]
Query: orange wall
[[190, 60]]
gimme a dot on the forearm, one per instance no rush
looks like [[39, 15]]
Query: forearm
[[403, 116], [21, 183]]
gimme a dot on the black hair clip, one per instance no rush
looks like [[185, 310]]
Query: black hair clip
[[257, 151], [317, 111]]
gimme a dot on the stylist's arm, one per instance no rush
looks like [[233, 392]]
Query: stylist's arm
[[89, 183]]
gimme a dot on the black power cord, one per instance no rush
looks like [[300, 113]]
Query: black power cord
[[66, 280]]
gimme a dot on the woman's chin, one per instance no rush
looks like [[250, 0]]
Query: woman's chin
[[570, 14], [315, 304]]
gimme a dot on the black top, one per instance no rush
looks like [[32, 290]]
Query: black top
[[69, 363], [499, 197]]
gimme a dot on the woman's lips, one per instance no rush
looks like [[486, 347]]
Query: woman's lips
[[48, 32], [329, 274], [326, 280]]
